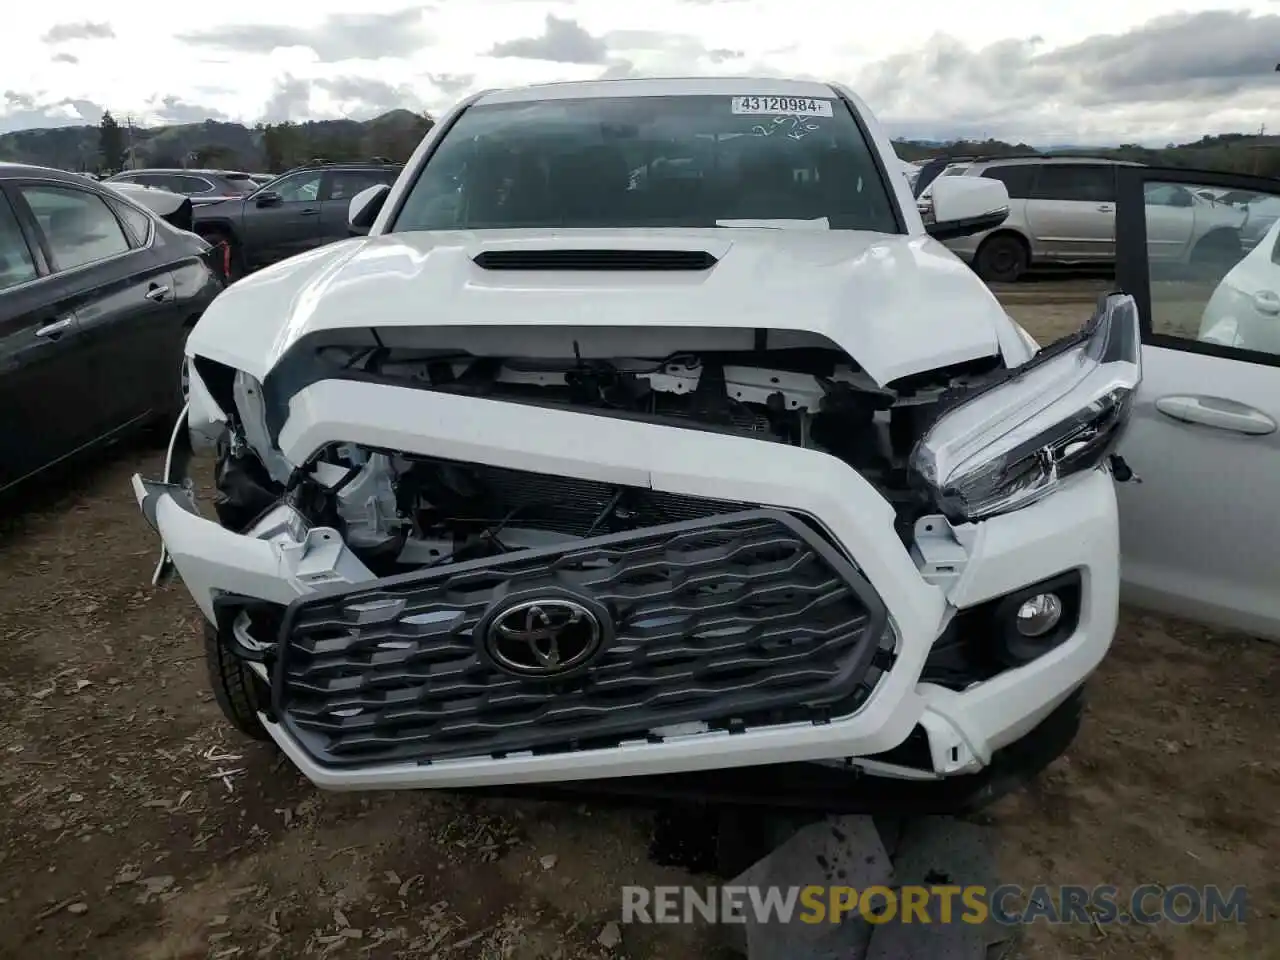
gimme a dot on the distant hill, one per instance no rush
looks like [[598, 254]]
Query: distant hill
[[1228, 152], [232, 145]]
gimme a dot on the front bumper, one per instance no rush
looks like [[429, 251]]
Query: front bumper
[[872, 707]]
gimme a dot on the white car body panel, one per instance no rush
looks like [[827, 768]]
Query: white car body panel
[[1244, 310], [900, 305], [1198, 536]]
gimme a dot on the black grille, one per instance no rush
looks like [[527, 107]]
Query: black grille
[[595, 260], [734, 621]]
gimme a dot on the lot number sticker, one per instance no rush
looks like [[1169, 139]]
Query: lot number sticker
[[788, 106]]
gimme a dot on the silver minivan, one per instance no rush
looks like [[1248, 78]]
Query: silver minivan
[[1062, 211]]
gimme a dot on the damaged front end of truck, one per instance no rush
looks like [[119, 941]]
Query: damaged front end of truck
[[653, 561]]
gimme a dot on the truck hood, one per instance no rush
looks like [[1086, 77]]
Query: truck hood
[[898, 305]]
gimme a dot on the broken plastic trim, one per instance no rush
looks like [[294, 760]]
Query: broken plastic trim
[[176, 480]]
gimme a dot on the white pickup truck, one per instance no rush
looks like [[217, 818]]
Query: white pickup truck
[[565, 474]]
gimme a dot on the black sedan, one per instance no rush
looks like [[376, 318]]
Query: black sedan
[[97, 295]]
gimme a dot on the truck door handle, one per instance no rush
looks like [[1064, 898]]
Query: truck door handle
[[157, 291], [309, 212], [1268, 302], [52, 331], [1217, 412], [1105, 208]]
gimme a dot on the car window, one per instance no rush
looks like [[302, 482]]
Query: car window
[[300, 188], [152, 180], [1018, 178], [345, 184], [16, 263], [1214, 270], [190, 186], [137, 223], [78, 226], [676, 161], [1095, 183]]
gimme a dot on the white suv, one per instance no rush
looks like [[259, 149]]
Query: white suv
[[1062, 212], [649, 432]]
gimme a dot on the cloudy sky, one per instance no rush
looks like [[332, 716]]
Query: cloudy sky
[[1085, 71]]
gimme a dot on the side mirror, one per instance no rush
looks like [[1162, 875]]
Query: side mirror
[[963, 206], [269, 198], [365, 207]]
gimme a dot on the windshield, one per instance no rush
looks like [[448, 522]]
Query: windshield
[[680, 161]]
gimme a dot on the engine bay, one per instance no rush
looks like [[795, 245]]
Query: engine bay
[[400, 511]]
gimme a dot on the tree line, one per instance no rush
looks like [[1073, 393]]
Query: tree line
[[267, 147], [1228, 153]]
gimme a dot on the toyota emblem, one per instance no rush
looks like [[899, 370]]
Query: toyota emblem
[[546, 637]]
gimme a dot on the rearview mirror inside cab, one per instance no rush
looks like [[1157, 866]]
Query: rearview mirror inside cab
[[365, 207], [963, 206]]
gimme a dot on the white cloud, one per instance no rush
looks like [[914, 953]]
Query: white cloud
[[933, 68]]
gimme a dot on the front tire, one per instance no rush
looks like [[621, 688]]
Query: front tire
[[1002, 258], [239, 692]]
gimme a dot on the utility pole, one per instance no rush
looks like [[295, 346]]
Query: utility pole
[[128, 120]]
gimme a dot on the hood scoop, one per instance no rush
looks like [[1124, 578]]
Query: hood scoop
[[596, 259]]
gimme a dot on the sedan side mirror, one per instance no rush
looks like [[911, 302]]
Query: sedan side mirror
[[963, 206], [365, 207], [269, 198]]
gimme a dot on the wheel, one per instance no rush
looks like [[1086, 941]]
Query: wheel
[[1002, 258], [240, 693]]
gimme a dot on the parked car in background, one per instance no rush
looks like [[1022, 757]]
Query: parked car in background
[[173, 208], [97, 295], [301, 209], [1186, 227], [1244, 309], [202, 186], [1063, 213], [1260, 210]]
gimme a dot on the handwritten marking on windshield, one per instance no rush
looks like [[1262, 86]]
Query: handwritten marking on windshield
[[795, 128]]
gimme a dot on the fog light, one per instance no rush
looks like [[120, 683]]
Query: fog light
[[1039, 615]]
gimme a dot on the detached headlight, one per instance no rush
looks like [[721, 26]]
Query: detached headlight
[[1060, 413]]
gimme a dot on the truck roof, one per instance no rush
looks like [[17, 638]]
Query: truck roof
[[669, 87]]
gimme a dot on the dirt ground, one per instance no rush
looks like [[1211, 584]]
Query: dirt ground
[[135, 824]]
